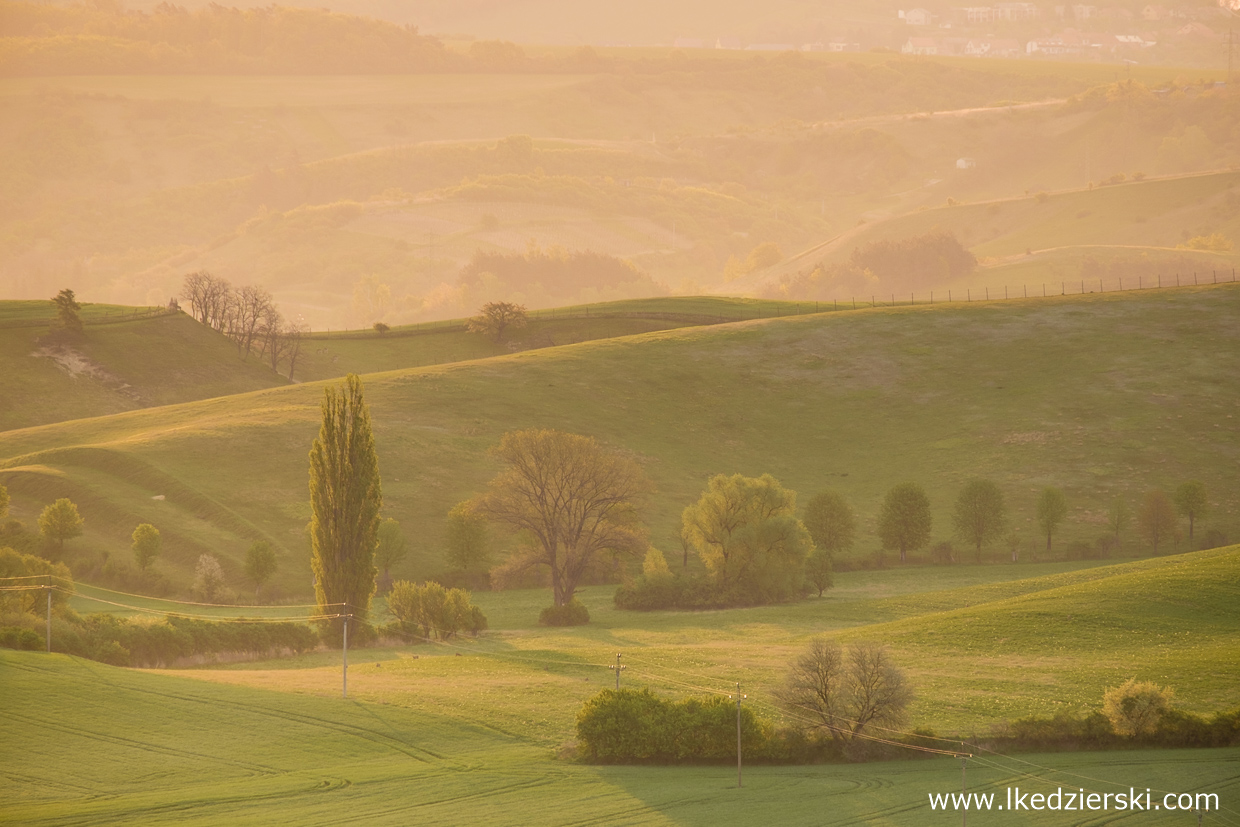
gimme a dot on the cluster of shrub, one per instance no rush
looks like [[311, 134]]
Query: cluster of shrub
[[1067, 731], [124, 641], [1135, 713], [754, 548], [428, 611], [130, 642], [831, 696]]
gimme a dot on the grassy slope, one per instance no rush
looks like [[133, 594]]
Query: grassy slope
[[156, 750], [413, 745], [135, 364], [1103, 396], [162, 361], [363, 351], [977, 655]]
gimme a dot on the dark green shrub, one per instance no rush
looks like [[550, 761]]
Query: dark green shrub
[[15, 637], [635, 726], [574, 613]]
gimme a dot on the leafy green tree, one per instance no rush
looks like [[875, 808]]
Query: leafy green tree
[[573, 497], [60, 521], [980, 514], [67, 310], [429, 610], [747, 534], [146, 545], [260, 564], [1118, 518], [1135, 707], [1052, 509], [496, 318], [1156, 518], [818, 570], [904, 519], [830, 522], [1191, 502], [391, 549], [345, 498], [468, 541]]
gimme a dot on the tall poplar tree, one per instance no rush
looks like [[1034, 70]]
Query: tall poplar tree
[[345, 498]]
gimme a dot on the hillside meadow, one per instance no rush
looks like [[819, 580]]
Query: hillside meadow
[[129, 358], [481, 731], [120, 362], [1104, 396]]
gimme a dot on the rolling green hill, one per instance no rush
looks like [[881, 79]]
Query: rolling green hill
[[1103, 396], [131, 358], [125, 359], [479, 731]]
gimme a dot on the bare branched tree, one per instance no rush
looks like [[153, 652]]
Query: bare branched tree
[[574, 497], [840, 693]]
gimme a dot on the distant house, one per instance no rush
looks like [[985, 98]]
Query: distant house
[[841, 46], [728, 43], [1084, 12], [1015, 11], [917, 17], [1197, 31], [975, 14], [965, 163], [1133, 41], [688, 43]]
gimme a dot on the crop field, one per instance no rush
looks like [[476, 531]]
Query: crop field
[[480, 731], [1029, 394]]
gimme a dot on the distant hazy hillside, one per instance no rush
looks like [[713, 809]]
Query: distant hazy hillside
[[638, 23]]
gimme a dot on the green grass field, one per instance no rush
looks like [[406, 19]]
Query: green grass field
[[1029, 394], [114, 366], [480, 731], [131, 358]]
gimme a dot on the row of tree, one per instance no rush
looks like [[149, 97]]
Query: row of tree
[[980, 516], [248, 315]]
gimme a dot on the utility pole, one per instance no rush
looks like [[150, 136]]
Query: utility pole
[[345, 662], [739, 696], [964, 811], [49, 615], [1229, 39], [618, 669]]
